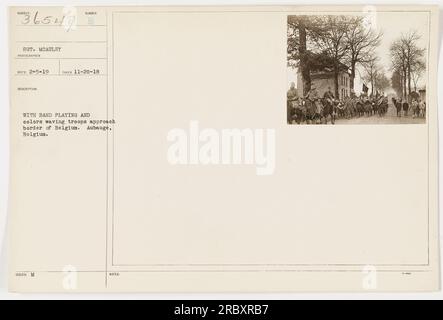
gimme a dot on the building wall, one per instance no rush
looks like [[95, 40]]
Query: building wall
[[422, 95], [323, 81], [344, 86]]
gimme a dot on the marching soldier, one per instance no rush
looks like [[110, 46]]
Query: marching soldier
[[329, 96], [313, 97], [292, 96]]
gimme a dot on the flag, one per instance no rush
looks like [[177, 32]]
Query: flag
[[365, 88]]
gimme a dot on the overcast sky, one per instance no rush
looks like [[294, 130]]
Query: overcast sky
[[392, 24]]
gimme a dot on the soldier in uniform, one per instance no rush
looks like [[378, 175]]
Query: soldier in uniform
[[398, 105], [415, 108], [422, 108], [292, 96], [405, 107], [329, 96], [313, 97]]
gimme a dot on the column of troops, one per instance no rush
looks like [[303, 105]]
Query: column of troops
[[315, 109]]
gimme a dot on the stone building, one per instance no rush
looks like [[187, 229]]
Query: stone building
[[324, 78]]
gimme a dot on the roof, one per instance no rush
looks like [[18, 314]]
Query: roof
[[323, 63]]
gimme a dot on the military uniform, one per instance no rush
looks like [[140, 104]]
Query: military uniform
[[291, 97], [329, 95], [313, 96]]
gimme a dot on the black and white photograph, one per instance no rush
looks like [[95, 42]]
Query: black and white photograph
[[357, 68]]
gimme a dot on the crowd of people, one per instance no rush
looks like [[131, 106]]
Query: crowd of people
[[417, 107], [315, 109]]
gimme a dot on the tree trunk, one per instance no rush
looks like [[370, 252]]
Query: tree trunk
[[336, 73], [352, 76], [401, 84], [405, 87], [304, 63], [408, 68]]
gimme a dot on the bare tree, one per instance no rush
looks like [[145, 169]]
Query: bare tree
[[298, 55], [399, 65], [381, 82], [372, 71], [408, 58], [331, 40], [361, 42], [397, 82], [417, 70]]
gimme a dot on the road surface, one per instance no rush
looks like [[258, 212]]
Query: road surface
[[389, 118]]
